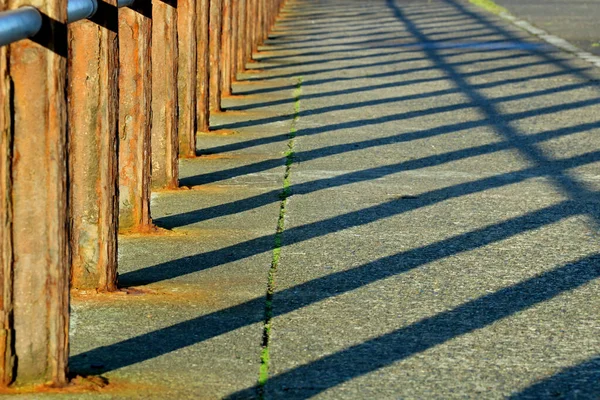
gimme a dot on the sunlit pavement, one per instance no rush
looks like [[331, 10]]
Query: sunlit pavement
[[402, 202]]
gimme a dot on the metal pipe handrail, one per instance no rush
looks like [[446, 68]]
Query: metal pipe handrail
[[22, 23], [26, 21], [125, 3], [80, 9]]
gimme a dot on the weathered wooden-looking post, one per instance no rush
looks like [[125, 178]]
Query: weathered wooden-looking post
[[242, 17], [226, 42], [203, 70], [235, 40], [270, 12], [33, 200], [35, 251], [187, 74], [93, 159], [250, 23], [214, 43], [135, 102], [6, 250], [165, 143], [258, 25]]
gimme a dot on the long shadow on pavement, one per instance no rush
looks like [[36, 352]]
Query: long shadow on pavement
[[376, 353]]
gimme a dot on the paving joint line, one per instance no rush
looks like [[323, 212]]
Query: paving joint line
[[284, 195]]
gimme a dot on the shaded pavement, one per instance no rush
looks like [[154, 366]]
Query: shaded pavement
[[572, 20], [403, 203]]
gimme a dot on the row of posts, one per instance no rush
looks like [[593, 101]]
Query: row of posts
[[94, 115]]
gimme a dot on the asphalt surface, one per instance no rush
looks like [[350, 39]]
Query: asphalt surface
[[577, 21], [415, 183]]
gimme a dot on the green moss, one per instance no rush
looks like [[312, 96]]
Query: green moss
[[489, 5], [286, 191]]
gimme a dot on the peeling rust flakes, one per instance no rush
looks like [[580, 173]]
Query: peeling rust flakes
[[235, 96], [213, 188], [149, 230], [219, 132], [254, 82], [219, 157], [80, 384], [156, 293], [78, 295], [238, 112]]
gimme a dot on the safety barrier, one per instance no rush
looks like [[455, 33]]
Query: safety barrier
[[98, 99]]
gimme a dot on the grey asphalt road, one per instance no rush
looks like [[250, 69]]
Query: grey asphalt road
[[577, 21]]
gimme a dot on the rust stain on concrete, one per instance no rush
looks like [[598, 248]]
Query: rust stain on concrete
[[149, 231], [80, 384], [219, 132], [209, 295]]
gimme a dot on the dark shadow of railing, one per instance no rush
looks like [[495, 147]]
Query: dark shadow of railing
[[578, 382], [376, 353]]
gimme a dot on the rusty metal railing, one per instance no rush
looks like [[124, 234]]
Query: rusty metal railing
[[66, 193], [19, 24], [26, 21]]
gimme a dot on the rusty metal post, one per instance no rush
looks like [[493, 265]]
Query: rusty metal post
[[254, 18], [241, 36], [186, 86], [250, 20], [267, 19], [202, 84], [93, 157], [135, 101], [255, 26], [6, 253], [226, 48], [238, 37], [165, 144], [259, 22], [214, 44], [33, 200], [235, 40], [273, 11]]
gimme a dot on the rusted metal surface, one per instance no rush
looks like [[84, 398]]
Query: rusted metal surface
[[235, 39], [226, 54], [202, 82], [39, 200], [234, 42], [6, 252], [93, 159], [250, 24], [214, 43], [135, 101], [187, 37], [216, 38], [270, 15], [240, 63], [88, 386], [165, 143], [259, 22]]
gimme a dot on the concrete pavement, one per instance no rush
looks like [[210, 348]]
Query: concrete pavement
[[402, 202], [572, 20]]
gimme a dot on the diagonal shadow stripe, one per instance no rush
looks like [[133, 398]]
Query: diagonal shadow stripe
[[166, 340], [191, 264], [578, 382], [395, 346], [239, 206]]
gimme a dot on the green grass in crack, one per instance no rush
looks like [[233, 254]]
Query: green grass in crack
[[285, 193]]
